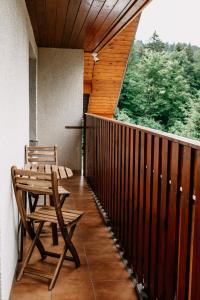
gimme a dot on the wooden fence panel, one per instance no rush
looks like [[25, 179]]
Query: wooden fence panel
[[148, 182]]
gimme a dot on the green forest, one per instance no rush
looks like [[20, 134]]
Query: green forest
[[161, 89]]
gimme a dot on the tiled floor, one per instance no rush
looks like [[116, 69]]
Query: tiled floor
[[101, 275]]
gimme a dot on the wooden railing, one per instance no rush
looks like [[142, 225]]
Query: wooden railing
[[148, 182]]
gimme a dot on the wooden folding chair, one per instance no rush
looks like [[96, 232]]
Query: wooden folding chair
[[41, 155], [40, 183]]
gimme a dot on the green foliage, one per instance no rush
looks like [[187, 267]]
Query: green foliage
[[161, 87], [155, 44]]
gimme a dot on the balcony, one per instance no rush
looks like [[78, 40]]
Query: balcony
[[141, 232], [145, 188]]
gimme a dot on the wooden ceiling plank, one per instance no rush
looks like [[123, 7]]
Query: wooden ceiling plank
[[40, 6], [86, 24], [120, 6], [72, 13], [61, 8], [125, 20], [81, 17], [105, 11], [91, 17], [51, 12], [32, 13]]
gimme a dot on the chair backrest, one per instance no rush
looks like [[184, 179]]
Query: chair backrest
[[41, 155], [36, 183]]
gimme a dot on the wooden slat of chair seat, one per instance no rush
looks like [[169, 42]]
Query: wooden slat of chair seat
[[48, 214], [72, 212], [66, 219]]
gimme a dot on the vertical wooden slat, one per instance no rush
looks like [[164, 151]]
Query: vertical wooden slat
[[162, 215], [126, 191], [113, 174], [119, 182], [135, 221], [154, 219], [194, 286], [116, 176], [140, 242], [147, 211], [103, 166], [101, 163], [170, 259], [108, 163], [130, 196], [122, 202], [106, 153], [184, 210]]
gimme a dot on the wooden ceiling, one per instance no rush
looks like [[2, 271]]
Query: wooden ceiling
[[104, 79], [80, 24]]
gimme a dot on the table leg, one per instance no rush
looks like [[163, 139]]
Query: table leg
[[54, 227]]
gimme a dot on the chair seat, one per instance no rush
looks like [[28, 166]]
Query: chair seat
[[48, 214]]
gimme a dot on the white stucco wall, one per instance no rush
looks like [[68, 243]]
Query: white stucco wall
[[60, 102], [15, 35]]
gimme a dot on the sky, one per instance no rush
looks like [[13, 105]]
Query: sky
[[173, 20]]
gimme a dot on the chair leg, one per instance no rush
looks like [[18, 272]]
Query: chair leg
[[45, 200], [54, 226], [71, 247], [62, 199], [30, 202], [21, 244], [58, 267], [36, 198], [30, 250], [54, 230], [39, 244], [33, 205]]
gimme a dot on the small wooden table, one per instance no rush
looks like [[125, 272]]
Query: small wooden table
[[62, 172]]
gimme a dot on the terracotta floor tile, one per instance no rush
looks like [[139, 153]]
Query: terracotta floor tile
[[108, 271], [101, 253], [74, 290], [70, 272], [30, 291], [103, 257], [114, 290]]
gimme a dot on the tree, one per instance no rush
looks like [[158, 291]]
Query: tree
[[192, 126], [156, 87], [161, 87], [155, 43]]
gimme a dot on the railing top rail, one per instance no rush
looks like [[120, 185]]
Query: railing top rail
[[170, 136]]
